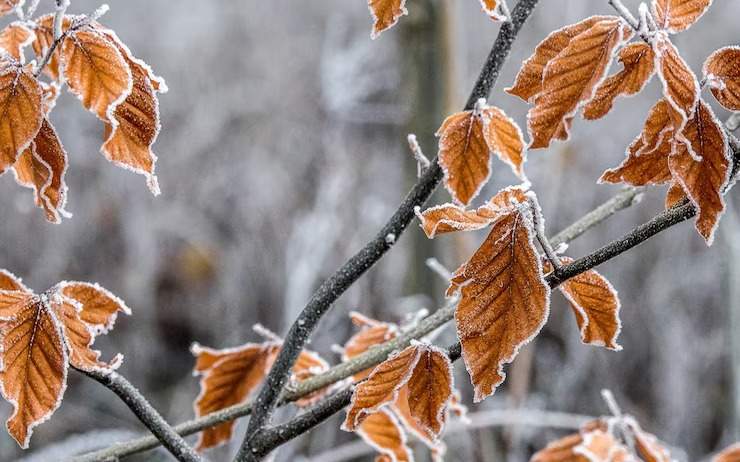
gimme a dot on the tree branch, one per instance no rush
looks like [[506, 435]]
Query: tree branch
[[146, 414], [336, 285]]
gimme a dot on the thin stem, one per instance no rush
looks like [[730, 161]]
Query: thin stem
[[336, 285], [539, 231], [146, 413], [59, 35]]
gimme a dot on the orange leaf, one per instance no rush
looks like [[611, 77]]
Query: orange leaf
[[528, 83], [730, 454], [34, 361], [648, 446], [674, 195], [402, 410], [561, 450], [602, 446], [722, 73], [448, 218], [504, 300], [9, 281], [385, 14], [464, 155], [228, 377], [14, 38], [100, 308], [20, 112], [678, 15], [9, 6], [569, 79], [505, 139], [595, 304], [430, 390], [41, 167], [372, 333], [638, 60], [309, 364], [703, 180], [493, 8], [383, 432], [95, 71], [680, 86]]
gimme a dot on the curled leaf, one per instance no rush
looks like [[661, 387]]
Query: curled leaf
[[20, 112], [383, 432], [385, 14], [14, 38], [505, 139], [680, 87], [494, 8], [676, 16], [100, 308], [722, 73]]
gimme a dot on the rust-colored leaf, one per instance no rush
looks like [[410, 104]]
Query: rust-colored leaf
[[570, 79], [505, 139], [14, 38], [494, 9], [371, 333], [383, 432], [100, 308], [601, 446], [680, 86], [385, 14], [649, 448], [638, 60], [9, 281], [561, 450], [504, 300], [703, 180], [95, 71], [41, 167], [309, 364], [675, 16], [722, 73], [402, 410], [447, 218], [674, 195], [430, 390], [464, 155], [34, 362], [729, 454], [20, 112], [528, 83], [9, 6]]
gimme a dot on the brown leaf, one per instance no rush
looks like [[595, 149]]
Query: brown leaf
[[674, 195], [95, 71], [14, 38], [649, 447], [34, 361], [528, 83], [430, 389], [722, 73], [504, 300], [402, 410], [638, 60], [729, 454], [595, 304], [9, 6], [569, 80], [680, 86], [561, 450], [20, 112], [385, 14], [493, 8], [464, 155], [42, 167], [228, 377], [602, 446], [9, 281], [703, 180], [100, 307], [675, 16], [448, 218], [383, 432], [371, 333], [309, 364], [505, 139]]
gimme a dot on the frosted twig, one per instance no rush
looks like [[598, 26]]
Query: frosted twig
[[422, 162], [616, 411], [61, 9], [644, 25], [32, 9], [266, 333], [440, 269], [539, 230], [625, 13]]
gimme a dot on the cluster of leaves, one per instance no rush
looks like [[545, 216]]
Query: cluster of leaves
[[98, 68], [386, 13], [41, 335]]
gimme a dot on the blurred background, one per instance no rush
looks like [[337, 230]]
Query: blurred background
[[284, 149]]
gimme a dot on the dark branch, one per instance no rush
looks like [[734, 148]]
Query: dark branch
[[336, 285]]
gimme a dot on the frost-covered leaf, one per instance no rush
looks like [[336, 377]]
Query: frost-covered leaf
[[9, 6], [402, 411], [528, 81], [504, 300], [674, 195], [448, 218], [722, 73], [9, 281], [648, 447], [638, 61], [505, 139], [430, 390], [680, 86], [100, 308], [383, 432], [703, 180], [595, 304], [729, 454], [34, 361], [571, 77], [385, 14], [601, 446], [41, 167], [560, 450], [14, 38], [675, 16], [95, 71], [371, 333], [495, 9], [20, 107]]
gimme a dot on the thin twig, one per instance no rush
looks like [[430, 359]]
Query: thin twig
[[146, 413], [539, 231], [422, 162], [59, 35], [332, 288], [625, 13]]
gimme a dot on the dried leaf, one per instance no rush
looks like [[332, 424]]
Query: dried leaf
[[680, 86], [430, 390], [372, 333], [570, 79], [100, 307], [649, 448], [722, 73], [402, 410], [703, 180], [9, 281], [494, 9], [464, 155], [561, 450], [505, 139], [42, 167], [34, 362], [14, 38], [448, 218], [309, 364], [95, 71], [528, 83], [729, 454], [385, 14], [20, 112], [674, 195], [676, 16], [504, 300], [602, 446], [383, 432], [638, 60], [9, 6]]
